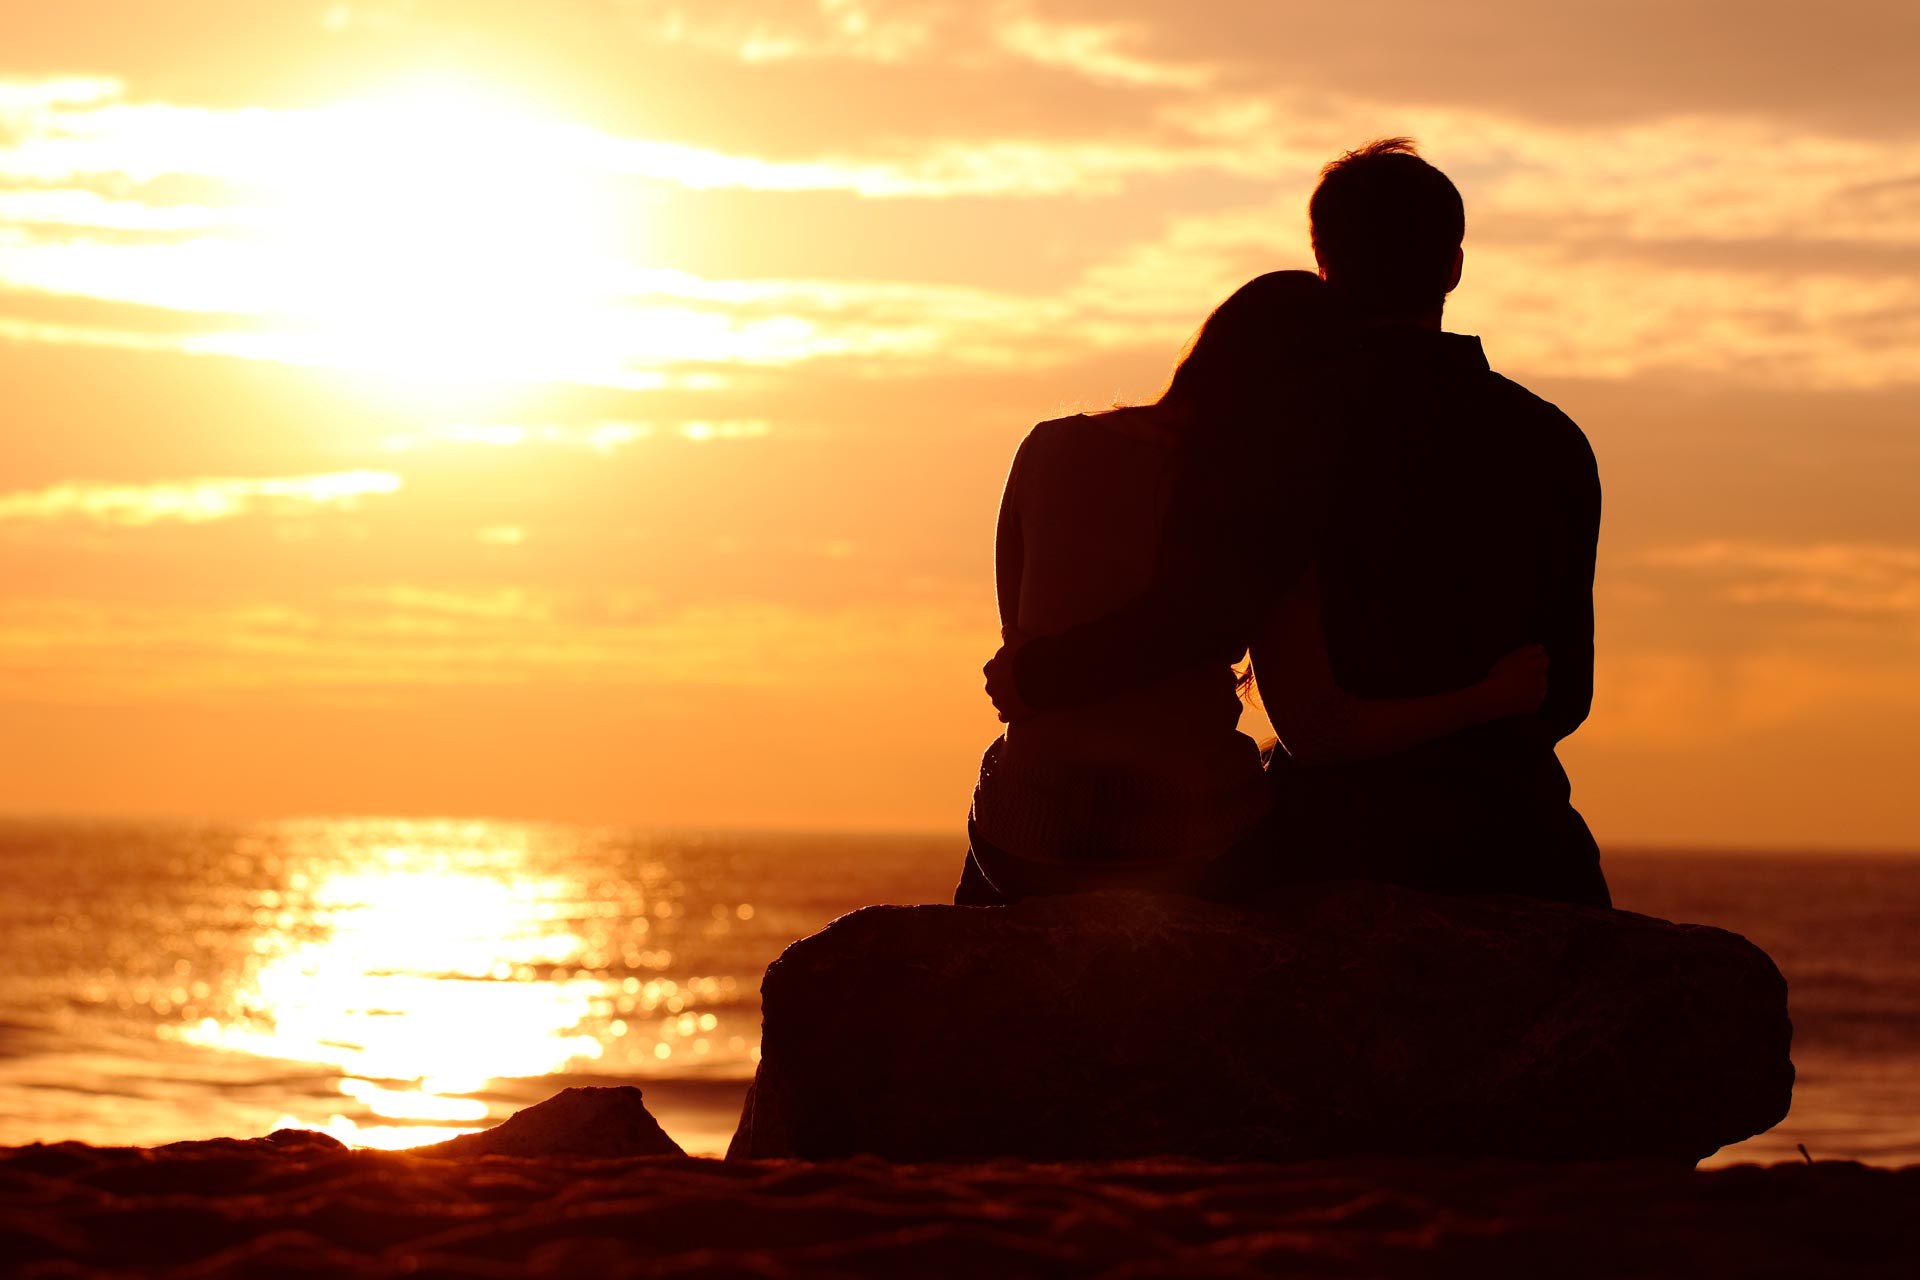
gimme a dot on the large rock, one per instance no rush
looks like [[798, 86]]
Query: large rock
[[1349, 1019], [598, 1123]]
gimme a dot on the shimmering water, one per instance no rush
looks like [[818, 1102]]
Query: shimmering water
[[397, 982]]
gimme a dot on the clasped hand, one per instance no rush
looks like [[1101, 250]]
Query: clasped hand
[[1001, 685]]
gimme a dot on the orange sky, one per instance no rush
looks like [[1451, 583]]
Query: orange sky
[[597, 410]]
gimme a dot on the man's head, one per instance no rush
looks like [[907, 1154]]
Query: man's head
[[1387, 228]]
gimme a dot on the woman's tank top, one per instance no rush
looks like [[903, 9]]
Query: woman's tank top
[[1158, 772]]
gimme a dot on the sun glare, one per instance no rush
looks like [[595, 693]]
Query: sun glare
[[444, 233]]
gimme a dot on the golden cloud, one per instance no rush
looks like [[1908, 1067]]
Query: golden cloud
[[1686, 699], [1864, 579], [193, 501], [406, 637], [1681, 245]]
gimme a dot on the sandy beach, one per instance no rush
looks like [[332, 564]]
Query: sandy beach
[[300, 1204]]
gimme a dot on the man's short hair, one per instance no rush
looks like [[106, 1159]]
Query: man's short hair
[[1386, 225]]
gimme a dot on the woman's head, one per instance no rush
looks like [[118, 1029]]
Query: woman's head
[[1253, 340], [1257, 387]]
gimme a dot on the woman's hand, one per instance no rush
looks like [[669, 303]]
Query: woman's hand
[[1517, 685], [1001, 686]]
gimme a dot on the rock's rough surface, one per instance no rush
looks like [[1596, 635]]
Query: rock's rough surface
[[1347, 1019], [607, 1124]]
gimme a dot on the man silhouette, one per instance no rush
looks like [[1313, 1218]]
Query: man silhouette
[[1457, 519]]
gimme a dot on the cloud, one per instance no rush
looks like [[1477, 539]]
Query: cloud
[[1726, 245], [1633, 60], [193, 501], [1861, 580], [22, 98], [1722, 175], [604, 437], [1101, 51], [1570, 64], [81, 210], [405, 637], [1676, 699], [507, 604], [837, 30], [138, 143]]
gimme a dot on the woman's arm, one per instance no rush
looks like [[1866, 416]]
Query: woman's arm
[[1009, 564], [1319, 723], [1009, 552]]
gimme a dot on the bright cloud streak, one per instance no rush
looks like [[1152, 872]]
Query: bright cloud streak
[[18, 98], [502, 243], [603, 438], [1099, 51], [832, 28], [415, 638], [193, 501], [88, 210], [1850, 578]]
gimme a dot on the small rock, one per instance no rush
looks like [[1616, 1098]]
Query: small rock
[[303, 1139], [607, 1123], [289, 1142]]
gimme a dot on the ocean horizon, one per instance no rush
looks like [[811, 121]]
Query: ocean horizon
[[397, 981]]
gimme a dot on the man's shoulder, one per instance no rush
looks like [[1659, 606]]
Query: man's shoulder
[[1521, 402], [1540, 418]]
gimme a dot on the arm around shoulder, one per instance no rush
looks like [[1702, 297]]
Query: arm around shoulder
[[1320, 723]]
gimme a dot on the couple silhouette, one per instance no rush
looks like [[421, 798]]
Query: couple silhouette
[[1402, 539]]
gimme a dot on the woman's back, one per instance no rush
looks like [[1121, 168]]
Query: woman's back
[[1157, 772], [1091, 495]]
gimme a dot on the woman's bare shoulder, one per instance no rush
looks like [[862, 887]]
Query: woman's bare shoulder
[[1140, 421]]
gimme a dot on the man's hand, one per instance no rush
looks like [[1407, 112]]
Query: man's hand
[[1001, 686], [1517, 685]]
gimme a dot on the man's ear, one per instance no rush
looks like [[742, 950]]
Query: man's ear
[[1453, 278]]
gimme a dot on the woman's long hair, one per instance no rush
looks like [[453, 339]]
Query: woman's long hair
[[1244, 364], [1255, 388]]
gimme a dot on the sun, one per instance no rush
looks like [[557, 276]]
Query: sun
[[445, 233]]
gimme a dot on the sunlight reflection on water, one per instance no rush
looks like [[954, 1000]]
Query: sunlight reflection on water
[[417, 973], [396, 982], [423, 962]]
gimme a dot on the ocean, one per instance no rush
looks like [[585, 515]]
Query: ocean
[[396, 982]]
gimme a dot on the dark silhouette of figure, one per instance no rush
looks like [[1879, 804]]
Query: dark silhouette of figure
[[1152, 784], [1445, 516]]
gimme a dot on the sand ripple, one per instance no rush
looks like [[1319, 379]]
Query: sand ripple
[[302, 1205]]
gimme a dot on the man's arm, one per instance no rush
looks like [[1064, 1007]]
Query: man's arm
[[1569, 622], [1320, 723]]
